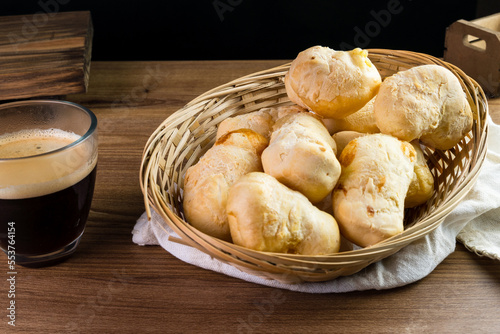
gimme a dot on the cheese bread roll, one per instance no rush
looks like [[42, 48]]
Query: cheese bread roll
[[425, 102], [260, 121], [343, 138], [301, 155], [362, 121], [265, 215], [422, 185], [332, 83], [368, 202], [207, 183]]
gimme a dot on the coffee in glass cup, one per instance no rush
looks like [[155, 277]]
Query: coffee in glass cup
[[48, 159]]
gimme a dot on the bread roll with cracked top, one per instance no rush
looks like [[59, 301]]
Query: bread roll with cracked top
[[362, 121], [260, 121], [422, 185], [265, 215], [301, 155], [368, 202], [207, 183], [425, 102], [333, 84]]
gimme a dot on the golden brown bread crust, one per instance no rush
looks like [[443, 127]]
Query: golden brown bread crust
[[422, 185], [207, 183], [265, 215], [301, 155], [333, 84], [244, 138], [260, 121], [342, 138], [425, 102], [362, 121], [368, 201]]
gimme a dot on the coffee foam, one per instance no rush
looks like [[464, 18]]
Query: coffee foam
[[34, 176], [34, 142]]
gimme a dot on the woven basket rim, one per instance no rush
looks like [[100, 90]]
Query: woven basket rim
[[262, 262]]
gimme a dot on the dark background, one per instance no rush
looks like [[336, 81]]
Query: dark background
[[258, 29]]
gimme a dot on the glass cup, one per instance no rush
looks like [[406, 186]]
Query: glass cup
[[48, 159]]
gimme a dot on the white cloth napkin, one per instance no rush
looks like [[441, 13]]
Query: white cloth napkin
[[475, 222]]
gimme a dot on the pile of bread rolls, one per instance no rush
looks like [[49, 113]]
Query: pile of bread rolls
[[350, 140]]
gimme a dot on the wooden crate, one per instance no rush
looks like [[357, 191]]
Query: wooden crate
[[44, 54], [475, 47]]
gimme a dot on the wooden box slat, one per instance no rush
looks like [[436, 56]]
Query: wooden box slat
[[475, 48], [44, 54]]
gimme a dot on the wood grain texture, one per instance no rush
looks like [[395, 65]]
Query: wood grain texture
[[44, 54], [114, 286]]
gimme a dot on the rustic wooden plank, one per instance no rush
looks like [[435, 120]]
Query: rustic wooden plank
[[45, 54]]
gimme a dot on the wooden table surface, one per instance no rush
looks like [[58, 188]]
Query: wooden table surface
[[112, 285]]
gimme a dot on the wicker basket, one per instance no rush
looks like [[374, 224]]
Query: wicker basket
[[184, 137]]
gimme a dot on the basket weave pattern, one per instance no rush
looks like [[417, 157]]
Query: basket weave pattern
[[185, 136]]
